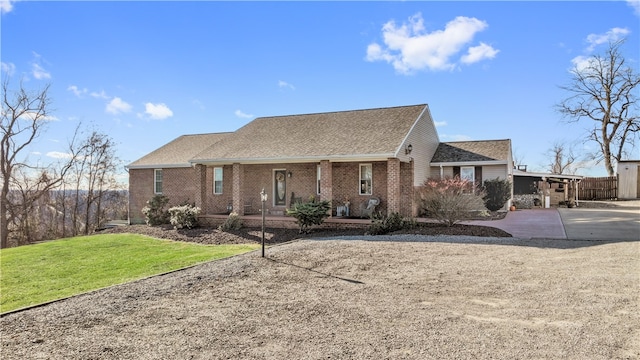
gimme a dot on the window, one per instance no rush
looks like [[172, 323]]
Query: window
[[366, 175], [318, 176], [217, 180], [468, 173], [157, 183]]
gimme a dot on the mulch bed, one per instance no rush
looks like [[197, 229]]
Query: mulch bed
[[205, 235]]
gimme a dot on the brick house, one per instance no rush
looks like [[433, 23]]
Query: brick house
[[347, 157]]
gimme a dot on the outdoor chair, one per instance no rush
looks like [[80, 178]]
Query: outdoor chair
[[367, 208]]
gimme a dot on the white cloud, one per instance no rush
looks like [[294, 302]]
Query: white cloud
[[99, 95], [8, 68], [77, 91], [39, 72], [284, 84], [6, 6], [59, 155], [157, 111], [479, 53], [610, 36], [240, 114], [635, 4], [440, 123], [37, 116], [409, 47], [580, 62], [117, 106]]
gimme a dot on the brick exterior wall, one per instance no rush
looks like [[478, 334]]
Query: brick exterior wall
[[393, 185], [339, 183], [178, 184]]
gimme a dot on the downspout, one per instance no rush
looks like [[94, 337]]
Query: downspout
[[441, 172]]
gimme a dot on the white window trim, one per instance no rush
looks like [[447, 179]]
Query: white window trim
[[318, 179], [473, 174], [360, 180], [221, 180], [155, 181]]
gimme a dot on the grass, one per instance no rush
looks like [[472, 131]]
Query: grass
[[39, 273]]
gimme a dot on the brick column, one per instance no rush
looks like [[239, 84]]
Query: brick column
[[393, 185], [238, 180], [326, 181], [201, 188]]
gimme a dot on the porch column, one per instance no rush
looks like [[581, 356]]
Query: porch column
[[238, 181], [326, 180], [201, 188], [393, 185]]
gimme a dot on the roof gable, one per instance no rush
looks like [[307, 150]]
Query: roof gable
[[472, 151], [370, 132]]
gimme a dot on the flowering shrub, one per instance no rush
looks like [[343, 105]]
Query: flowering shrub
[[233, 222], [448, 200], [154, 212], [184, 216]]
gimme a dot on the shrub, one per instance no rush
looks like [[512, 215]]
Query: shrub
[[154, 212], [309, 213], [233, 222], [497, 192], [449, 200], [387, 224], [184, 216]]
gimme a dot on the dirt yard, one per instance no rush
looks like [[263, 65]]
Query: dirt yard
[[313, 299]]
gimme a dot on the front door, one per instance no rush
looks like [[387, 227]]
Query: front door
[[280, 188]]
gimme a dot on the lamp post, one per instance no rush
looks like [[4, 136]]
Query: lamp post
[[263, 198]]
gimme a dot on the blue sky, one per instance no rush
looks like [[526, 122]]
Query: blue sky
[[148, 72]]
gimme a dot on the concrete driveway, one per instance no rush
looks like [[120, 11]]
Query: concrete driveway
[[619, 223]]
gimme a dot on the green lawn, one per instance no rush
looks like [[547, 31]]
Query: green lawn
[[38, 273]]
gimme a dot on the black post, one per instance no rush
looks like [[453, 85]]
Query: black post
[[263, 198]]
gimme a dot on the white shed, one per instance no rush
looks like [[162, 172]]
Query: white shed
[[629, 179]]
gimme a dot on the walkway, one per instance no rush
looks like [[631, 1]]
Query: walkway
[[529, 224]]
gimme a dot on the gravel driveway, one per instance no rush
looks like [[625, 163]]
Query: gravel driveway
[[472, 299]]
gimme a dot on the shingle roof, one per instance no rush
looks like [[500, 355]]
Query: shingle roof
[[333, 134], [179, 151], [472, 151]]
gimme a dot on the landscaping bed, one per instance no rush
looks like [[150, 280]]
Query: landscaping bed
[[205, 235]]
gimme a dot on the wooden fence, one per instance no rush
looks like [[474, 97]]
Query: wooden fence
[[598, 188]]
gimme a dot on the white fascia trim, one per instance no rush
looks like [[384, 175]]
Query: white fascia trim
[[547, 175], [469, 163], [290, 160], [158, 166]]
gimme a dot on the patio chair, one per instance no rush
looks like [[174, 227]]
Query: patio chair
[[367, 208]]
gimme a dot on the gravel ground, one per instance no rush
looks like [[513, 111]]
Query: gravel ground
[[446, 297]]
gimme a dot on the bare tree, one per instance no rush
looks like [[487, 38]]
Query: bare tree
[[24, 114], [562, 159], [604, 91]]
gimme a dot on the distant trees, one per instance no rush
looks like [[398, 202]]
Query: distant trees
[[73, 196], [604, 90]]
